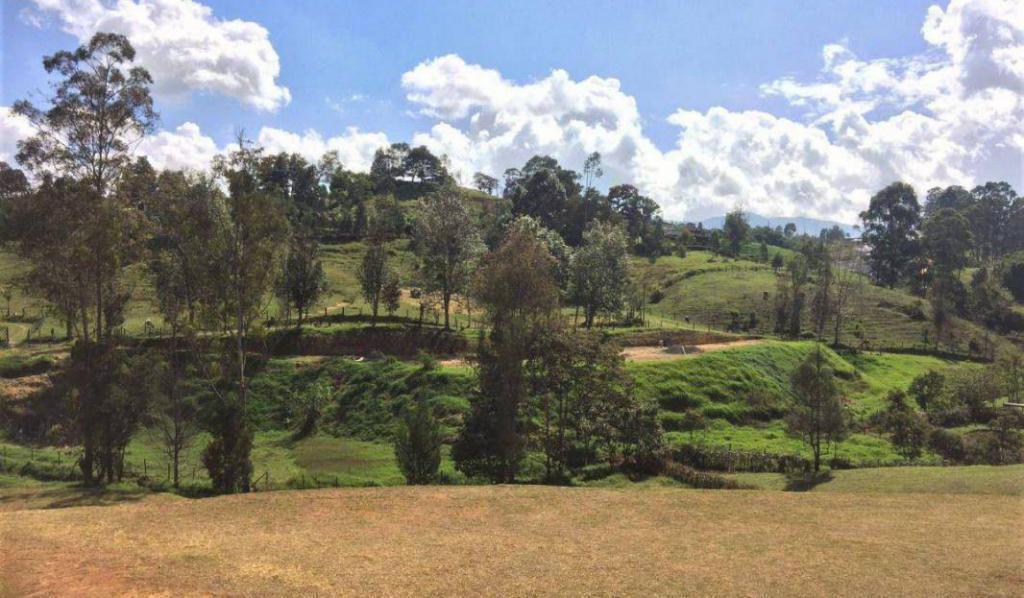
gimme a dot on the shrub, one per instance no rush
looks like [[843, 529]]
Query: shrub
[[418, 445], [700, 479], [947, 444]]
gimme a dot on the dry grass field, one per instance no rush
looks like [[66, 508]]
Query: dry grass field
[[521, 541]]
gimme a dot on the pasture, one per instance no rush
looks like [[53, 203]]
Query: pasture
[[520, 540]]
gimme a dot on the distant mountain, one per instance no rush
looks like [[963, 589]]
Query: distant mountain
[[810, 226]]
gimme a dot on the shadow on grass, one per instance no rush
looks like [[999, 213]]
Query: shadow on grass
[[805, 482], [72, 495]]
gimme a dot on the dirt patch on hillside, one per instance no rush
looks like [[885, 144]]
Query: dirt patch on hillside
[[18, 389], [668, 353]]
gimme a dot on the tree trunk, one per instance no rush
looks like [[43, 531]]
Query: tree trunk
[[447, 297]]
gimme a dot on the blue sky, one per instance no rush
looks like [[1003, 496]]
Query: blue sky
[[342, 64]]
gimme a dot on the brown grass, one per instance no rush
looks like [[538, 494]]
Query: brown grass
[[520, 541]]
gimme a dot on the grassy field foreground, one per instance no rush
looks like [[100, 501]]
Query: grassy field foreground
[[520, 541]]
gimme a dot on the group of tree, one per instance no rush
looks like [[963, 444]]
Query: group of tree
[[928, 250], [542, 386], [918, 419], [216, 246]]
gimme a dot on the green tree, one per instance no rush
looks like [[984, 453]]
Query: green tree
[[418, 445], [817, 416], [1012, 274], [891, 232], [946, 239], [447, 243], [244, 256], [485, 183], [600, 272], [374, 275], [908, 430], [101, 107], [989, 214], [736, 230], [927, 388], [302, 280], [778, 262], [516, 285]]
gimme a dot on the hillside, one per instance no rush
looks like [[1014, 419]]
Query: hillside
[[510, 540]]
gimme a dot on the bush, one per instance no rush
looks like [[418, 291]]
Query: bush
[[700, 479], [947, 444], [418, 445]]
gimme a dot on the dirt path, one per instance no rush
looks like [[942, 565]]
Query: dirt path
[[656, 353]]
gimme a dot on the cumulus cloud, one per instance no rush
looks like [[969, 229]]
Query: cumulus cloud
[[184, 46], [185, 148], [188, 148], [13, 128], [355, 149], [953, 115], [489, 123]]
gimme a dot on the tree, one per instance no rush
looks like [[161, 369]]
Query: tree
[[420, 163], [778, 262], [591, 171], [890, 231], [817, 416], [908, 430], [790, 297], [946, 239], [245, 251], [447, 243], [374, 275], [762, 252], [587, 406], [823, 301], [13, 186], [391, 294], [640, 216], [302, 281], [227, 456], [1012, 269], [183, 214], [516, 286], [109, 400], [418, 445], [736, 229], [542, 196], [988, 216], [600, 272], [173, 415], [955, 197], [847, 284], [485, 183], [100, 108], [927, 388]]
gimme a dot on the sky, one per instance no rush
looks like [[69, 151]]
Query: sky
[[781, 108]]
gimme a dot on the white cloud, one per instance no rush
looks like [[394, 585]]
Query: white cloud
[[13, 128], [489, 123], [355, 148], [184, 46], [954, 115], [188, 148], [185, 148]]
